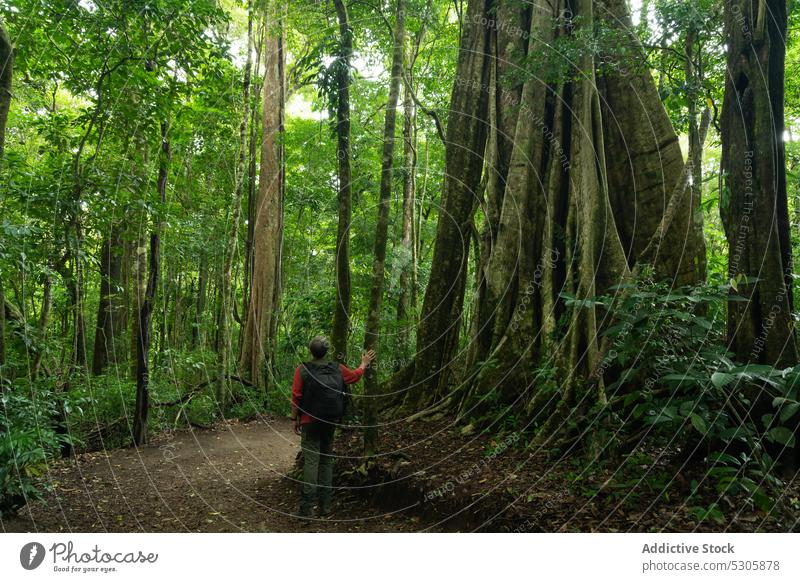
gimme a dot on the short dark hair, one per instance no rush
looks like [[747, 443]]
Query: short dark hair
[[318, 347]]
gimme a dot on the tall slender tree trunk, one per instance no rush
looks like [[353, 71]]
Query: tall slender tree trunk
[[226, 281], [418, 223], [373, 324], [145, 327], [251, 185], [256, 357], [167, 291], [408, 292], [110, 310], [72, 275], [139, 287], [73, 230], [6, 73], [44, 322], [644, 10], [694, 79], [175, 335], [2, 330], [282, 9], [6, 69], [198, 335], [341, 314]]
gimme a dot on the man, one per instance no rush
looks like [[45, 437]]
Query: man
[[318, 400]]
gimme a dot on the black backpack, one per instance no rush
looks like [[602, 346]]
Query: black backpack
[[323, 391]]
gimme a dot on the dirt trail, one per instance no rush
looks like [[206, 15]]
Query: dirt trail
[[229, 479]]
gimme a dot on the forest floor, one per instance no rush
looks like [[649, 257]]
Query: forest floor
[[458, 480], [229, 479], [237, 477]]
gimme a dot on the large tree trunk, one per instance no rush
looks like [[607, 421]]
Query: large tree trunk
[[257, 354], [506, 216], [593, 257], [226, 280], [644, 160], [466, 139], [341, 315], [145, 327], [553, 225], [754, 207], [111, 309], [754, 201], [373, 324]]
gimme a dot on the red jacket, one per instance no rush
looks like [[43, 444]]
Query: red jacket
[[350, 377]]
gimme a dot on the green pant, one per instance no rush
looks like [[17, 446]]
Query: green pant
[[317, 445]]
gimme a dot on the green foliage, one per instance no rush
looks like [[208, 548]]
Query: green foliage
[[676, 386], [29, 436], [22, 459], [93, 84], [679, 24]]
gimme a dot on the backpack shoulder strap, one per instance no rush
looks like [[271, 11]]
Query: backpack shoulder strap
[[308, 387], [305, 371], [337, 368]]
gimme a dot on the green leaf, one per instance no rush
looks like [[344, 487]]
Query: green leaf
[[703, 322], [721, 379], [789, 411], [734, 432], [698, 423], [683, 378], [724, 458], [782, 436]]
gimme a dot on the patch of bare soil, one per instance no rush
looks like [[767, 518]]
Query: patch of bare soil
[[233, 478]]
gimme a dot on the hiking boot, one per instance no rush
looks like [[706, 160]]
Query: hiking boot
[[306, 513], [325, 511]]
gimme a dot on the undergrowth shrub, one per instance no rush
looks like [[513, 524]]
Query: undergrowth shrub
[[29, 436], [674, 385]]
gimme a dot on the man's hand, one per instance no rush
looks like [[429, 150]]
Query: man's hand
[[366, 358], [296, 421]]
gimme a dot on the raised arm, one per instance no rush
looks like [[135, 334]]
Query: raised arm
[[353, 376]]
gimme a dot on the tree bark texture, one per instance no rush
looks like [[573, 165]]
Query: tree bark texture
[[257, 345], [341, 315]]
